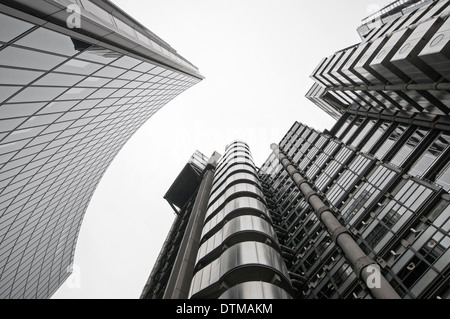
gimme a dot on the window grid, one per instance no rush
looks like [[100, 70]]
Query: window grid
[[55, 145]]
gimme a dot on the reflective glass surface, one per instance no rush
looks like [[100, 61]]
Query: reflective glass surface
[[395, 214], [384, 148], [428, 256], [443, 179], [60, 128], [431, 154], [408, 147]]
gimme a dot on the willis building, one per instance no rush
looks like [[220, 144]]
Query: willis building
[[358, 211], [77, 79]]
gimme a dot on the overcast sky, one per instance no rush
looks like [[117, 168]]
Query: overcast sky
[[257, 56]]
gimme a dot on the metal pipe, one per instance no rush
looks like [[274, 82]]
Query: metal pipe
[[364, 267], [180, 278], [438, 86]]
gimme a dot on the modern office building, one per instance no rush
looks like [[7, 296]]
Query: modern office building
[[222, 243], [77, 79], [400, 69], [382, 172], [327, 193], [358, 211]]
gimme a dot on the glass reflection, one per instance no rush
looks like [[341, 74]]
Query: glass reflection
[[18, 77], [79, 67], [50, 41], [11, 28], [24, 58], [408, 147], [390, 141], [430, 155]]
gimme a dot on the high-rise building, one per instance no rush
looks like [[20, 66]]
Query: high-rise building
[[77, 79], [400, 69], [399, 220], [382, 172], [222, 243], [358, 211]]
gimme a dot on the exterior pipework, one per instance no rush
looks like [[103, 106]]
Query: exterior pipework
[[340, 234], [181, 276], [238, 245], [438, 86]]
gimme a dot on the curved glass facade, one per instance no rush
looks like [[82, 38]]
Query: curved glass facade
[[68, 103], [239, 244]]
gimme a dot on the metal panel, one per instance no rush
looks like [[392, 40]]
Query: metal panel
[[436, 53]]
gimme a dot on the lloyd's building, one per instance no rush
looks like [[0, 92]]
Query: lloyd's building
[[77, 79]]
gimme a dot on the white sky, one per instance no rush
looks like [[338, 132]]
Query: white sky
[[257, 56]]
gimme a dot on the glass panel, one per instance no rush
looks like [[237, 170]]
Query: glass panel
[[126, 62], [117, 83], [143, 38], [11, 27], [430, 155], [110, 72], [17, 110], [7, 91], [25, 58], [382, 228], [20, 77], [363, 133], [344, 126], [157, 70], [76, 93], [22, 134], [144, 67], [79, 67], [97, 11], [57, 79], [378, 133], [102, 93], [92, 81], [443, 178], [60, 106], [390, 141], [38, 94], [99, 54], [409, 146], [40, 120], [130, 75], [124, 27], [51, 41], [9, 125]]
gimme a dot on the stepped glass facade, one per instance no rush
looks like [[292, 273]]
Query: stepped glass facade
[[77, 79]]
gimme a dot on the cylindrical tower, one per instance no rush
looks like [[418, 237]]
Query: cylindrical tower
[[239, 249]]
